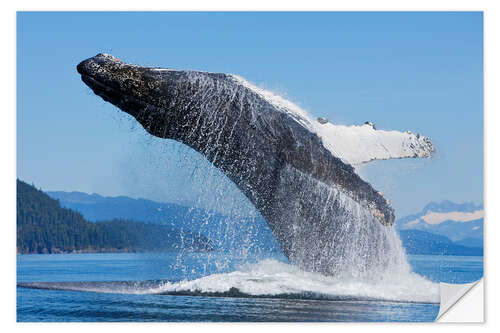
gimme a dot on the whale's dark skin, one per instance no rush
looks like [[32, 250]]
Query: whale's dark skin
[[282, 167]]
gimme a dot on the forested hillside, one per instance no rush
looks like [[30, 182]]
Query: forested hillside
[[43, 226]]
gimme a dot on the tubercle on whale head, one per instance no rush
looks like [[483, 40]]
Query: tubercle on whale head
[[132, 88]]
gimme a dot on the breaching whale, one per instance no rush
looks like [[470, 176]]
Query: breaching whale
[[296, 170]]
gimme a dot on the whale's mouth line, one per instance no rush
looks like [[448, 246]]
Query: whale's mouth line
[[108, 93], [124, 101]]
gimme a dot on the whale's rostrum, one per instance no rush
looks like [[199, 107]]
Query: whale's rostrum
[[295, 170]]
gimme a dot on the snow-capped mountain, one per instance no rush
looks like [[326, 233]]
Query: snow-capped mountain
[[462, 223]]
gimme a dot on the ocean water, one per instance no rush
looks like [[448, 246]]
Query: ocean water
[[218, 287]]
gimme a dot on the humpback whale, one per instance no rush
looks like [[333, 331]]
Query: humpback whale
[[296, 170]]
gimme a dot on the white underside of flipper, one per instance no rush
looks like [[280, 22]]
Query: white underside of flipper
[[361, 144], [353, 144]]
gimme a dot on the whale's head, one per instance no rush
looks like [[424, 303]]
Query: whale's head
[[161, 99], [134, 89]]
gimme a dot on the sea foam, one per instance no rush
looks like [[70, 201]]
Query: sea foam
[[274, 279]]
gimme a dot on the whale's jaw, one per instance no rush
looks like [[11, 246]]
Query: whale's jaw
[[315, 204], [132, 88]]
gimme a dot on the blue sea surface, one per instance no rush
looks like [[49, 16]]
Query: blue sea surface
[[125, 287]]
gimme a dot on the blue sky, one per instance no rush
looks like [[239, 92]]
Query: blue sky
[[408, 71]]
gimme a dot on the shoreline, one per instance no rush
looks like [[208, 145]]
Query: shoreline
[[117, 251]]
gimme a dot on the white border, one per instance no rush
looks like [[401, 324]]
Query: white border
[[8, 170], [462, 311]]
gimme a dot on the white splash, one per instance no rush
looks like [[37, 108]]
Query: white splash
[[271, 277]]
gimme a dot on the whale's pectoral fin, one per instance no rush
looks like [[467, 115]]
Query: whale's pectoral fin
[[361, 144]]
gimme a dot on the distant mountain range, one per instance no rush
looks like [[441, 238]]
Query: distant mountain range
[[460, 223], [96, 207], [422, 242], [234, 233], [440, 228]]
